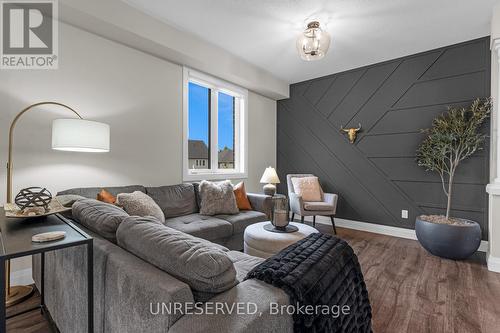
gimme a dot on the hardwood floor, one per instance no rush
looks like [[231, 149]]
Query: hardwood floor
[[413, 291], [29, 322], [410, 290]]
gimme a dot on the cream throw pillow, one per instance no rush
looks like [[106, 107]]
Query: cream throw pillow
[[140, 204], [217, 198], [308, 188]]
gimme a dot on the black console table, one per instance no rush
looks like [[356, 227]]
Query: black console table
[[15, 242]]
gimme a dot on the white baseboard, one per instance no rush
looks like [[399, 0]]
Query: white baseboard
[[21, 277], [493, 263], [379, 229]]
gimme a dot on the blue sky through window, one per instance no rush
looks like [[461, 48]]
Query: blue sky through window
[[198, 112], [199, 116], [226, 121]]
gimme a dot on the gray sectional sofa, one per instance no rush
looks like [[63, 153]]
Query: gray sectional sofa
[[128, 289]]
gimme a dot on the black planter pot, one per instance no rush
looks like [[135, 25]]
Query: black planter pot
[[448, 240]]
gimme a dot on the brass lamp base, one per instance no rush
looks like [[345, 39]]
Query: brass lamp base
[[18, 294]]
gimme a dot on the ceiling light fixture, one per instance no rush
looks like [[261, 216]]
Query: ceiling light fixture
[[313, 43]]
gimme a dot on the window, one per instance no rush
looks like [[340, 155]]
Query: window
[[214, 128]]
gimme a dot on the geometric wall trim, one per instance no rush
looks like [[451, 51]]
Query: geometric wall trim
[[377, 177]]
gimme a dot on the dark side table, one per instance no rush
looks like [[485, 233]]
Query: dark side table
[[15, 242]]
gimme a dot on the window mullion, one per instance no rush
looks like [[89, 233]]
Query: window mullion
[[214, 143], [236, 129]]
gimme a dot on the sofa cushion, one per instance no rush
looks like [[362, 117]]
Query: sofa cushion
[[140, 204], [206, 227], [243, 263], [196, 186], [206, 268], [98, 216], [91, 192], [243, 219], [318, 205], [217, 198], [174, 200]]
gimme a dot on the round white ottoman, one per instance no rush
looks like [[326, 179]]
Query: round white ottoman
[[259, 242]]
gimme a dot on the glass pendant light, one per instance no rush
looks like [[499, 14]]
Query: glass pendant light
[[313, 43]]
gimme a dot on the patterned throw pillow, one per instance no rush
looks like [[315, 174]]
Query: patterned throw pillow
[[140, 204], [217, 198], [308, 188], [241, 197]]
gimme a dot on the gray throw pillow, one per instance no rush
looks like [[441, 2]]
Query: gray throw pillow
[[100, 217], [140, 204], [67, 200], [204, 266], [217, 198]]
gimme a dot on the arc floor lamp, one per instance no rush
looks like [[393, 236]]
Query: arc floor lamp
[[75, 134]]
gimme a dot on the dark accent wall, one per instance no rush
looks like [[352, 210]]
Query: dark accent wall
[[377, 176]]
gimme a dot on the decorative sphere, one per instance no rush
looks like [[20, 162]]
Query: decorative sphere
[[33, 197]]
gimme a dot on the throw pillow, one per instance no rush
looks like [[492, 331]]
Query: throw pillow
[[98, 216], [217, 198], [67, 200], [140, 204], [308, 188], [106, 197], [241, 197]]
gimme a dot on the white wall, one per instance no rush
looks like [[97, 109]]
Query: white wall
[[139, 95], [493, 188], [261, 139], [148, 33]]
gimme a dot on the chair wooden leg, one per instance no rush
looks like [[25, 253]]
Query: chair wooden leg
[[302, 219], [314, 221], [293, 216], [333, 224]]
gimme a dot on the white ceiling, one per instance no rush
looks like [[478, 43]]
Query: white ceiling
[[263, 32]]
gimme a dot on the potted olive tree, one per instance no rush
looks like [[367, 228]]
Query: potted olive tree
[[453, 137]]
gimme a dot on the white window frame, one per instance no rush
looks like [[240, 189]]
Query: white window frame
[[215, 85]]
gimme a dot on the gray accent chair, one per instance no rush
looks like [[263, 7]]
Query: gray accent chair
[[327, 207]]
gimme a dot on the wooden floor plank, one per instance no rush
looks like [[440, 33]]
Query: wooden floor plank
[[29, 322], [425, 323]]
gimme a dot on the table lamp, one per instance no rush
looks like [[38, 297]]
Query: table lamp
[[270, 178], [75, 134]]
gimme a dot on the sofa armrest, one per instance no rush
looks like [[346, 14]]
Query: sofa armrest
[[331, 199], [137, 291], [126, 289], [296, 203], [261, 299], [261, 203]]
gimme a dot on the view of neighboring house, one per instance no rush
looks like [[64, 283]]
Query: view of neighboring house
[[198, 156], [226, 158]]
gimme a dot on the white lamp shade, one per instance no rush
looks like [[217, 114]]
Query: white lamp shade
[[270, 176], [80, 135]]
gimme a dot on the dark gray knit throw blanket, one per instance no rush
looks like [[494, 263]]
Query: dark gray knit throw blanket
[[320, 270]]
